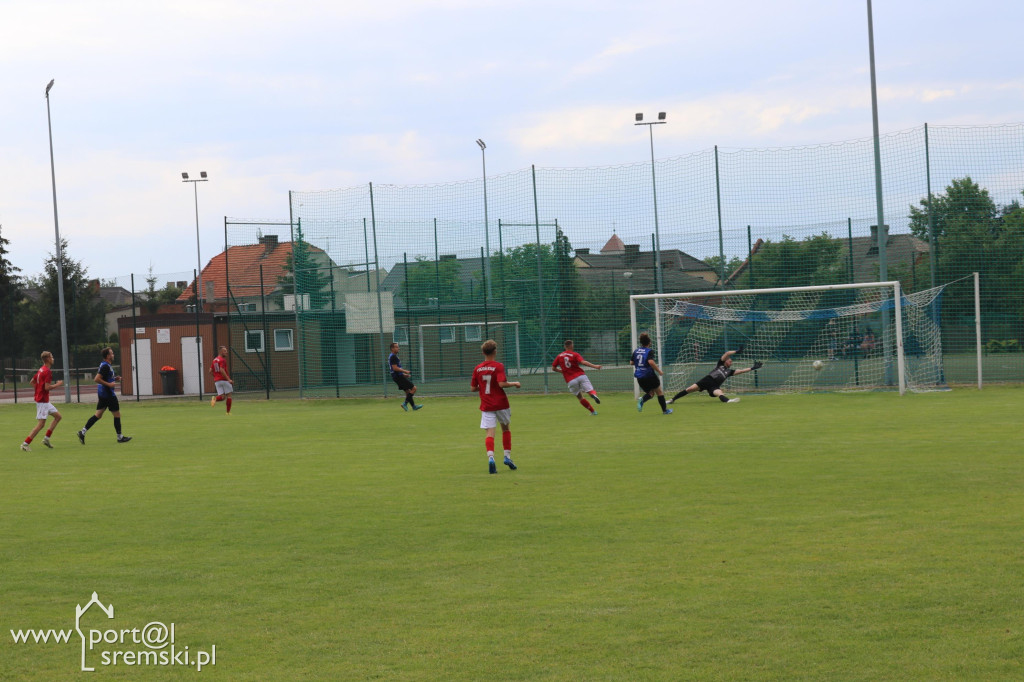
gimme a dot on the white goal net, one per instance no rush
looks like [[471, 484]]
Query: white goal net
[[838, 337]]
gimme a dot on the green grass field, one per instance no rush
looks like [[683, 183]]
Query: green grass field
[[818, 537]]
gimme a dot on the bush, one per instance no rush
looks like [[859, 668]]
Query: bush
[[1003, 346]]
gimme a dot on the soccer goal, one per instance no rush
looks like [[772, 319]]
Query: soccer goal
[[837, 337], [450, 349]]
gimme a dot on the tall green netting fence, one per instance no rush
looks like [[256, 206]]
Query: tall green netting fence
[[558, 252]]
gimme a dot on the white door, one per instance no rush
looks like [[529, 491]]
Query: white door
[[191, 365], [144, 362]]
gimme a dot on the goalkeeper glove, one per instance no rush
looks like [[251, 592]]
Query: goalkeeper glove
[[757, 365], [740, 348]]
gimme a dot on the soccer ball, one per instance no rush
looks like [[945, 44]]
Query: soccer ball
[[817, 364]]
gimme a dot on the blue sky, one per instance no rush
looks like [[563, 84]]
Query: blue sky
[[305, 95]]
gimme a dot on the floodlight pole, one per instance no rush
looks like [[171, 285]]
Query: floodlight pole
[[487, 231], [199, 261], [882, 233], [60, 259], [654, 188]]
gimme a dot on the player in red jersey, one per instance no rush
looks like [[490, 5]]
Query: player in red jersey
[[568, 363], [489, 380], [43, 381], [221, 380]]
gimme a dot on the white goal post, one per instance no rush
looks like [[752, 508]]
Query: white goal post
[[438, 325], [789, 328]]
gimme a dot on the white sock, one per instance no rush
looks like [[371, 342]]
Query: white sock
[[508, 453], [490, 455]]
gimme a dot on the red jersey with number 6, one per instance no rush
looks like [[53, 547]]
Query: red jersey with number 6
[[486, 377], [568, 362]]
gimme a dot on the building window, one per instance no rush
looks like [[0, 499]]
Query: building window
[[283, 339], [474, 332], [447, 334], [246, 307], [401, 335], [254, 341]]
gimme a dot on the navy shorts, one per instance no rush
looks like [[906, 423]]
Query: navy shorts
[[108, 403], [648, 383], [403, 382]]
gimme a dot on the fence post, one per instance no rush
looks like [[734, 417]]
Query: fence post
[[721, 241], [135, 344], [199, 337], [933, 248], [540, 282], [380, 310], [266, 355]]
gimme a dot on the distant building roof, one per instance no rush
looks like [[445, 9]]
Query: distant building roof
[[242, 265], [631, 257], [901, 250], [613, 245], [115, 297]]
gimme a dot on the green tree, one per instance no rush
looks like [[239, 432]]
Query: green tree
[[311, 277], [427, 279], [39, 319], [520, 282], [965, 203], [730, 265], [790, 262], [974, 234], [10, 295]]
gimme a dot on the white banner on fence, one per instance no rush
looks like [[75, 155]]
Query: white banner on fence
[[362, 315]]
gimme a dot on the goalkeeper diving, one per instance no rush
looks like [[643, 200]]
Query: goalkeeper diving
[[712, 383]]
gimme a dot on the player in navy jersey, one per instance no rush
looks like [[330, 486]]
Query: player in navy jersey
[[712, 383], [646, 374], [401, 378], [107, 398]]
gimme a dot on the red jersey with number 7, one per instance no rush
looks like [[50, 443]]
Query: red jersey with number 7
[[486, 378]]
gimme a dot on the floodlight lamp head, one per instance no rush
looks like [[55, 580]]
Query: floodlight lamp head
[[639, 117], [48, 86], [661, 115], [480, 143], [184, 176], [202, 174]]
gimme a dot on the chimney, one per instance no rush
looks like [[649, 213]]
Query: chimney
[[874, 233], [582, 252], [632, 254], [269, 242]]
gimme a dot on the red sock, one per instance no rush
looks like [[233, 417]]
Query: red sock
[[229, 404], [586, 403], [220, 398], [489, 443], [29, 439], [506, 440], [49, 433]]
